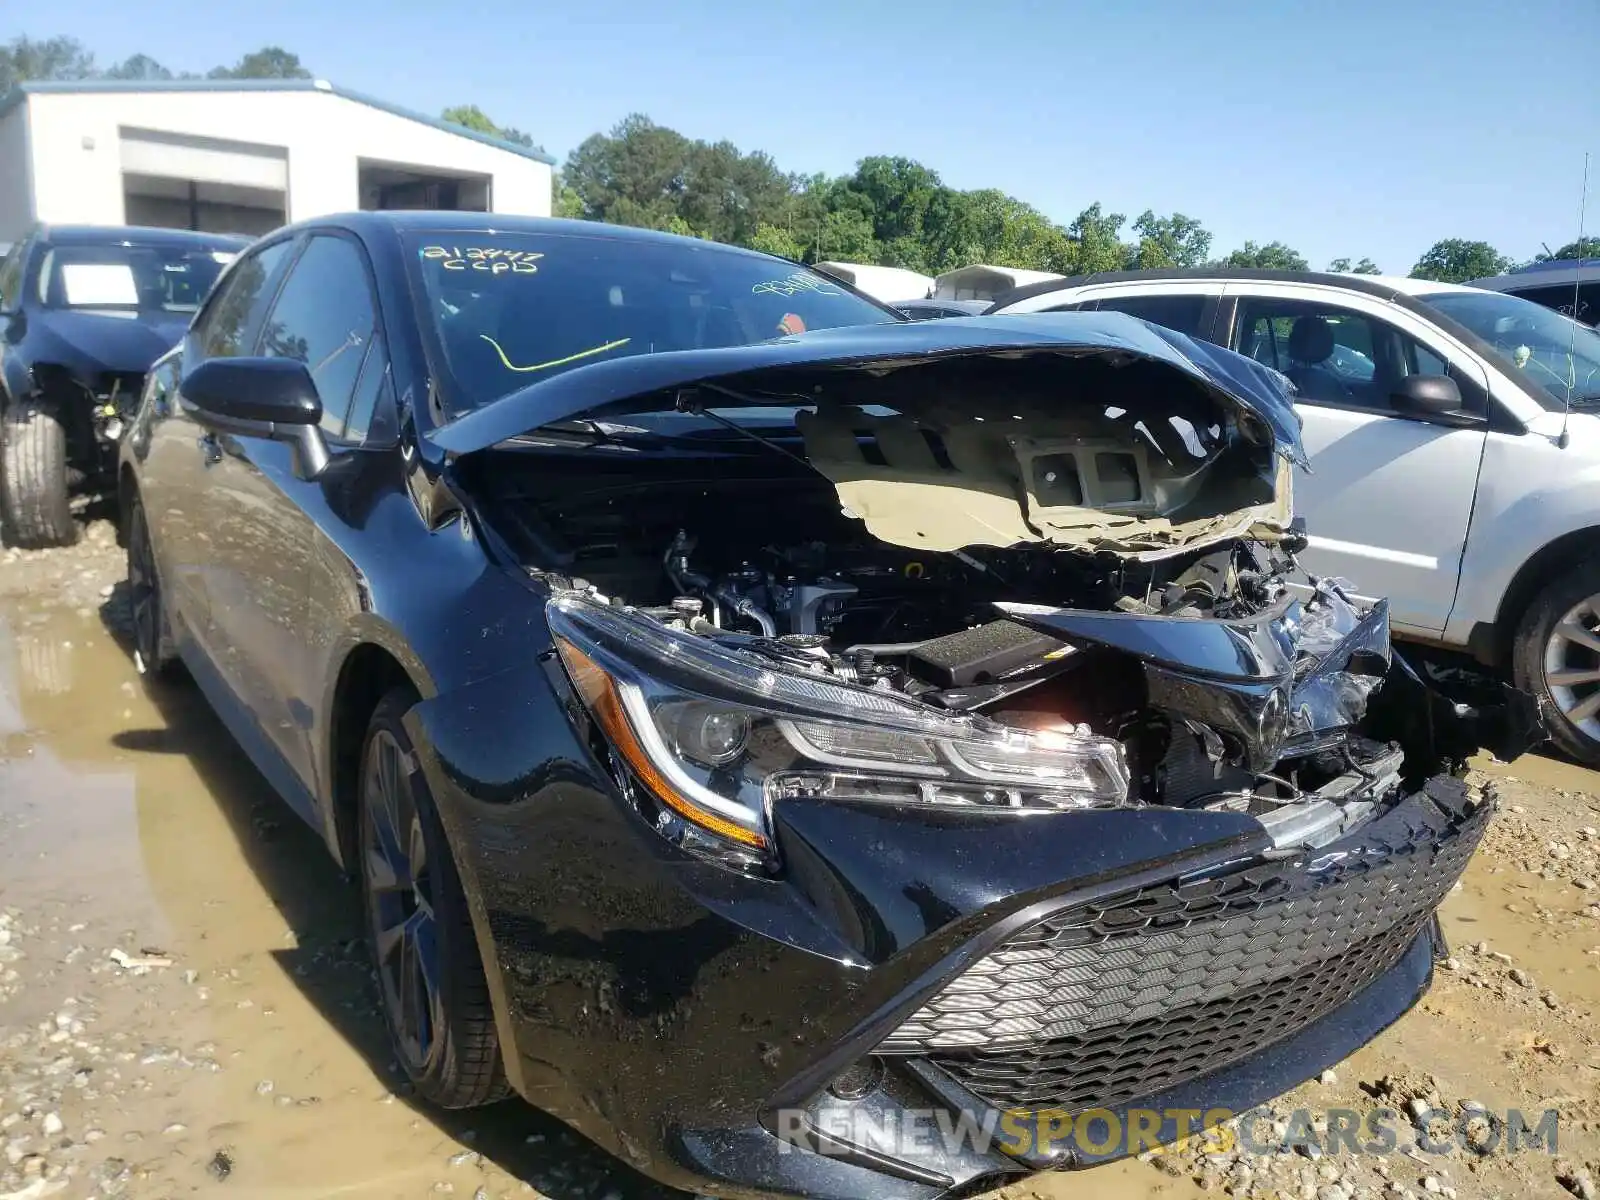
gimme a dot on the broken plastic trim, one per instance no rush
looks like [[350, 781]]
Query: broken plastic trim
[[1288, 674]]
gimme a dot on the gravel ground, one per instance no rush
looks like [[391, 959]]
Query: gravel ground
[[185, 1007]]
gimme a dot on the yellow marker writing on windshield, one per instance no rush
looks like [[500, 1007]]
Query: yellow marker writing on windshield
[[554, 362]]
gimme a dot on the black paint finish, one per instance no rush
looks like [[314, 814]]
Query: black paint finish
[[662, 1003]]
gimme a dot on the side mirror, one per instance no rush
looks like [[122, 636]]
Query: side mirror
[[1427, 395], [260, 397]]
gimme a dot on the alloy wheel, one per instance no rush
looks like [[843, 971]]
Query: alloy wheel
[[1572, 666], [400, 902]]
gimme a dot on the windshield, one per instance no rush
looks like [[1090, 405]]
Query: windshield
[[1549, 349], [512, 309], [141, 276]]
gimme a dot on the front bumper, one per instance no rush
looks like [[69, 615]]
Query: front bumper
[[684, 1015]]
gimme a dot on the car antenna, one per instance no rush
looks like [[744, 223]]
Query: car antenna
[[1577, 278]]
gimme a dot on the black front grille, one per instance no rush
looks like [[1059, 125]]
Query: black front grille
[[1108, 1067], [1111, 1000]]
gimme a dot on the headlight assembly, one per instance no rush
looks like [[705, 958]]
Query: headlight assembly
[[719, 737]]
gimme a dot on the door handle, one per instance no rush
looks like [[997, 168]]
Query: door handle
[[210, 449]]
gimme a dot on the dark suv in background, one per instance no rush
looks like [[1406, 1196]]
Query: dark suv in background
[[83, 313]]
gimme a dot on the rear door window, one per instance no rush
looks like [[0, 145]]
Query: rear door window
[[1183, 313]]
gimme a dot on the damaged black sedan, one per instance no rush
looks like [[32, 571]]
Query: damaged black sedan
[[761, 725], [84, 311]]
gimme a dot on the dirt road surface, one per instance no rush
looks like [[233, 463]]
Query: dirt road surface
[[185, 1008]]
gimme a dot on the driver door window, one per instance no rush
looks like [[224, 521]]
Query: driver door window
[[1337, 356], [325, 318]]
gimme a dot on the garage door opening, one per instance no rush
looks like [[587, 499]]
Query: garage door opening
[[181, 181], [206, 207], [391, 186]]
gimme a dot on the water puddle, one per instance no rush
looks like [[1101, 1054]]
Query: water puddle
[[243, 1043]]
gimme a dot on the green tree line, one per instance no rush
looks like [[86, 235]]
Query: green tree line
[[890, 210], [64, 58]]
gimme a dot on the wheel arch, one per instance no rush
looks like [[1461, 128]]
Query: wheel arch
[[51, 383], [16, 381], [1545, 564], [369, 672]]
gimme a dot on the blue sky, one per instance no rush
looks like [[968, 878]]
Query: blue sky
[[1361, 127]]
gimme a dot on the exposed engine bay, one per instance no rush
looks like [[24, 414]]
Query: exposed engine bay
[[1279, 728], [1127, 577]]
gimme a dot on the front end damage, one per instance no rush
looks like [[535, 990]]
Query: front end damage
[[1171, 816], [95, 407]]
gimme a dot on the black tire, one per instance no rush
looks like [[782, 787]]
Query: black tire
[[1528, 657], [33, 479], [459, 1065], [154, 648]]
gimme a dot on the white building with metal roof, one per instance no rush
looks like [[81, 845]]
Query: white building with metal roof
[[242, 156]]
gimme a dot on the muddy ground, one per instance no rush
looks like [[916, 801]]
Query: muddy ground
[[185, 1008]]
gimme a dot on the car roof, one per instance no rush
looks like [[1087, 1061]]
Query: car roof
[[1557, 264], [1408, 286], [1557, 272], [1407, 293], [1386, 286], [99, 235]]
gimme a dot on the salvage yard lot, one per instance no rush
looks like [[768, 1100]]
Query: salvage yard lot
[[186, 1007]]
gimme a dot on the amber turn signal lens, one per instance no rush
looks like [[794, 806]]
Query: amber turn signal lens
[[599, 693]]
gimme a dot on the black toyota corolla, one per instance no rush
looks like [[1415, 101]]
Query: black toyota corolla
[[762, 726]]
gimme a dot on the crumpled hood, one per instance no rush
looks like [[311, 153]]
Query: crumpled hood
[[623, 384], [107, 340]]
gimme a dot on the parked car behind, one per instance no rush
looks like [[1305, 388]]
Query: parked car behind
[[933, 309], [84, 311], [1568, 285], [745, 737], [1453, 480]]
